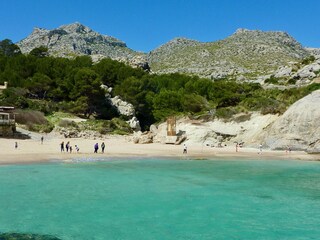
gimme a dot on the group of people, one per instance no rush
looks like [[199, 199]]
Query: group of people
[[68, 147], [96, 147]]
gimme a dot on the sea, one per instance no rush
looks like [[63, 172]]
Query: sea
[[159, 199]]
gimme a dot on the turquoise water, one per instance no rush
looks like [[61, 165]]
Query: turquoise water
[[163, 199]]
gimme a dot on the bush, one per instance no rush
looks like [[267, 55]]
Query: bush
[[67, 124], [44, 128], [33, 120], [292, 81], [272, 80], [308, 60], [30, 117], [225, 113]]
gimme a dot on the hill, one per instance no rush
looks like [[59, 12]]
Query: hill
[[246, 52]]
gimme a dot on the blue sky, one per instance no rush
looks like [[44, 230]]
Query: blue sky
[[145, 25]]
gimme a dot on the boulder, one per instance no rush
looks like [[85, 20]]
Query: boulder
[[142, 137], [308, 71], [284, 71], [298, 127], [134, 124]]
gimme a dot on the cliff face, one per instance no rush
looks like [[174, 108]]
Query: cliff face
[[77, 39], [246, 52]]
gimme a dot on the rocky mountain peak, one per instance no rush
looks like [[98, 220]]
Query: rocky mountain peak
[[75, 28], [241, 30], [38, 30], [77, 39]]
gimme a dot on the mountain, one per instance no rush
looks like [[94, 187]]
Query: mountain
[[76, 39], [246, 52]]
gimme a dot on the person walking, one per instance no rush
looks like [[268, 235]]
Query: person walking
[[102, 147], [96, 148], [41, 139]]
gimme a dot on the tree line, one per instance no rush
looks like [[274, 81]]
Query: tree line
[[40, 82]]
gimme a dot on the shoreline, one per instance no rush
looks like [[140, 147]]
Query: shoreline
[[32, 151]]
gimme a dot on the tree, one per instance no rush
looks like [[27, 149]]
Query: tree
[[40, 52], [87, 87], [39, 85], [8, 48], [166, 103], [131, 91]]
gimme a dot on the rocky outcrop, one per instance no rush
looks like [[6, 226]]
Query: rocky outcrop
[[123, 107], [128, 110], [245, 128], [307, 73], [298, 73], [298, 127], [76, 39], [314, 51]]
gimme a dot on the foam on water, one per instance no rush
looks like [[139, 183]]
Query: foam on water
[[162, 199]]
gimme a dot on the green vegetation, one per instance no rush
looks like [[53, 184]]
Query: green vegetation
[[33, 120], [71, 122], [48, 85], [308, 60]]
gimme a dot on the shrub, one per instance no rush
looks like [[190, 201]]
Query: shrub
[[67, 124], [33, 120], [292, 81], [272, 80], [30, 117], [225, 113], [45, 128], [308, 60]]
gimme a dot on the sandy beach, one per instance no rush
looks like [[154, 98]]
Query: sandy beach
[[32, 150]]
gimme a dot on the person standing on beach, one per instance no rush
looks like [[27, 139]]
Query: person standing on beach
[[185, 150], [96, 148], [41, 139], [102, 147], [16, 145], [260, 147], [67, 146], [62, 146]]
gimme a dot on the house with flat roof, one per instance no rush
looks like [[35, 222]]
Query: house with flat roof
[[7, 121]]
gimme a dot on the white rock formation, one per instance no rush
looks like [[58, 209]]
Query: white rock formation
[[134, 124], [218, 132], [128, 110], [123, 107], [308, 71], [284, 71], [298, 127]]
